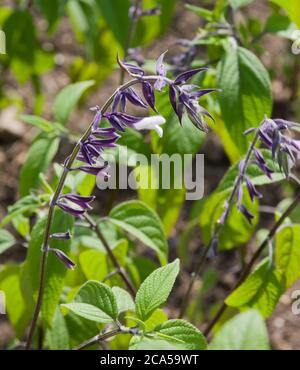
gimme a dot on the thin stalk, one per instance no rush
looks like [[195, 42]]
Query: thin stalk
[[56, 195], [103, 336], [253, 260], [195, 274], [99, 338], [119, 269]]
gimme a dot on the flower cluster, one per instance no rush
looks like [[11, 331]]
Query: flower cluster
[[183, 98], [284, 149]]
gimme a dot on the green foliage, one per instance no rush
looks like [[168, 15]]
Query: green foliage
[[292, 7], [6, 240], [96, 302], [182, 332], [246, 331], [67, 99], [287, 254], [39, 157], [261, 290], [141, 221], [56, 271], [247, 94], [155, 289]]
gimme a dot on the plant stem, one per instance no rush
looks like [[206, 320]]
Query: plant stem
[[131, 29], [253, 260], [195, 274], [99, 338], [57, 193], [119, 269], [103, 336]]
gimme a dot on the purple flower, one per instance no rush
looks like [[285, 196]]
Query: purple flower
[[119, 100], [97, 118], [160, 71], [261, 163], [252, 190], [74, 204], [246, 212], [65, 236], [185, 76], [63, 258], [134, 98], [149, 96], [93, 170], [132, 69]]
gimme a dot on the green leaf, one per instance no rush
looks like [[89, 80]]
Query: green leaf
[[67, 99], [39, 122], [52, 10], [116, 15], [201, 12], [56, 270], [142, 222], [155, 289], [7, 240], [183, 332], [292, 7], [246, 93], [280, 25], [100, 296], [93, 264], [57, 338], [88, 312], [145, 343], [39, 157], [261, 290], [239, 3], [287, 253], [246, 331], [16, 306], [26, 204], [124, 300], [157, 317]]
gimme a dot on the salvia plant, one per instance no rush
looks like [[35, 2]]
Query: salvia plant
[[97, 272]]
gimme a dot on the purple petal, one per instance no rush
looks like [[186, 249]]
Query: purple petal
[[265, 138], [85, 154], [134, 98], [160, 68], [246, 213], [173, 99], [242, 166], [97, 120], [149, 12], [185, 76], [252, 190], [63, 258], [71, 210], [148, 93], [130, 68], [92, 170], [160, 83], [198, 94]]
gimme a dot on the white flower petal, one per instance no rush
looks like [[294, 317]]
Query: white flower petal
[[151, 123]]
